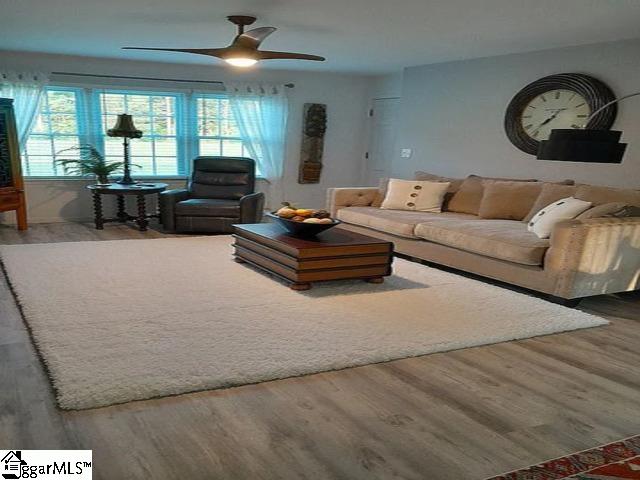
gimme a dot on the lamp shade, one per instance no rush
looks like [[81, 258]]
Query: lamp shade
[[582, 145], [124, 127]]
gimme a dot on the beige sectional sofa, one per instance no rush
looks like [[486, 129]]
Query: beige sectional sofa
[[581, 258]]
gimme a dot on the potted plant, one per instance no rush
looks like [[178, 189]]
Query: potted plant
[[91, 162]]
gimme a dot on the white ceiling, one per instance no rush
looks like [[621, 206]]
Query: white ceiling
[[367, 36]]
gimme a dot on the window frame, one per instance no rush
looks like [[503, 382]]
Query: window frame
[[196, 118], [81, 133], [180, 99], [89, 118]]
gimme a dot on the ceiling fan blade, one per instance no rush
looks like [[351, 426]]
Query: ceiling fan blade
[[212, 52], [267, 55], [253, 38]]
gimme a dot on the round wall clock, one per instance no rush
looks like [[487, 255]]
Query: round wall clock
[[558, 101]]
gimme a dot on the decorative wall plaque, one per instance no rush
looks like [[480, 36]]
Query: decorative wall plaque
[[314, 127]]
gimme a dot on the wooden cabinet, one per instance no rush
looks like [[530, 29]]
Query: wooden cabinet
[[11, 182]]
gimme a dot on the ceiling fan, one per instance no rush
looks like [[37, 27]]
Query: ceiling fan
[[243, 51]]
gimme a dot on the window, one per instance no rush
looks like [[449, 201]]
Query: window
[[156, 153], [56, 128], [176, 126], [218, 132]]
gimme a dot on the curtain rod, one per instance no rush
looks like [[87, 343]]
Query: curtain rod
[[73, 74]]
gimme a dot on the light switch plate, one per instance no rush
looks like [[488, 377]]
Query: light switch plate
[[405, 153]]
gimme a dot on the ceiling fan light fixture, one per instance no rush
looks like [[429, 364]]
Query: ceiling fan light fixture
[[242, 62], [244, 51]]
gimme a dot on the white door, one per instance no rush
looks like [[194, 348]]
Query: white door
[[382, 139]]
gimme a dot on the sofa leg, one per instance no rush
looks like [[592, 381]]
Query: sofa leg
[[565, 302]]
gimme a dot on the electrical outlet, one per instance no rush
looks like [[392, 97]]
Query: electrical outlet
[[405, 153]]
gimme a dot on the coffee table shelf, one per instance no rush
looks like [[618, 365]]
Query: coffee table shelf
[[336, 254]]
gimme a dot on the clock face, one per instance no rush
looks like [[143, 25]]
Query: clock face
[[554, 109], [563, 100]]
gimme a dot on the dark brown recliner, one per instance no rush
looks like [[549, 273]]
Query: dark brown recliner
[[220, 193]]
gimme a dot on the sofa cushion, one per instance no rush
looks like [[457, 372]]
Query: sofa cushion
[[431, 177], [503, 239], [599, 195], [508, 200], [469, 196], [395, 222], [551, 192], [383, 183], [208, 207], [604, 210]]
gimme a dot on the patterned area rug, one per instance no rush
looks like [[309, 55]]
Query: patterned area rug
[[615, 461]]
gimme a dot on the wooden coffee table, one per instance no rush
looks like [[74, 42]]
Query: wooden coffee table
[[335, 254]]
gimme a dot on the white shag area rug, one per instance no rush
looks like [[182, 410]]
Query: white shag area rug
[[124, 320]]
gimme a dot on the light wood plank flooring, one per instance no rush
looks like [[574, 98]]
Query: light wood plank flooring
[[460, 415]]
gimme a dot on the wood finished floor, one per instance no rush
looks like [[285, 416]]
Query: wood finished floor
[[459, 415]]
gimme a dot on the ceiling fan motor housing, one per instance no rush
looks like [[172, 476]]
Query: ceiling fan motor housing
[[241, 21]]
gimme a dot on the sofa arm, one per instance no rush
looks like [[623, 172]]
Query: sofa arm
[[338, 198], [251, 208], [595, 256], [168, 200]]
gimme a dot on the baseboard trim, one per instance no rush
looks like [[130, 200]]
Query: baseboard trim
[[12, 222]]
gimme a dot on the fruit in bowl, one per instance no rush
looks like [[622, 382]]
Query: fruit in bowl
[[303, 221], [317, 220], [303, 214]]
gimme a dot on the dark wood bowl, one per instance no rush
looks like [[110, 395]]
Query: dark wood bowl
[[301, 229]]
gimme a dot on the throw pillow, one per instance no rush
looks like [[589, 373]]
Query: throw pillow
[[468, 197], [422, 176], [603, 210], [508, 200], [453, 188], [628, 211], [543, 222], [551, 192], [415, 195]]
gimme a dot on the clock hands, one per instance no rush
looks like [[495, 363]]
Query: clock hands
[[550, 119]]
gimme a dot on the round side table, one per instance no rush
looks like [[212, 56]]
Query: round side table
[[139, 190]]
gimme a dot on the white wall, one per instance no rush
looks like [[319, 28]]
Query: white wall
[[69, 200], [452, 114], [346, 96], [388, 86]]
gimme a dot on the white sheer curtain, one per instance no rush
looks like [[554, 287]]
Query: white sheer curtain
[[27, 90], [261, 113]]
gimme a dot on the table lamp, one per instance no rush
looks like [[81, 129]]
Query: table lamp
[[125, 128]]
